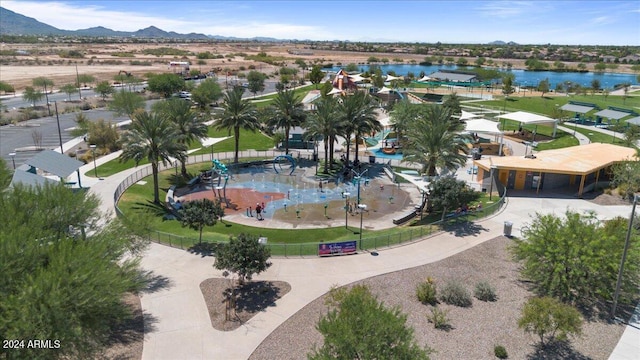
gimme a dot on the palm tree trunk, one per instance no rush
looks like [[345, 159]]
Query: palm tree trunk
[[156, 192], [357, 138], [326, 154], [348, 147], [200, 239], [236, 135], [183, 169], [286, 140]]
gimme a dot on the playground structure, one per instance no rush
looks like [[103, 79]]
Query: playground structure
[[291, 196]]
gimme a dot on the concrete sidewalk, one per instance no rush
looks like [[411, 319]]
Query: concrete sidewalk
[[177, 324]]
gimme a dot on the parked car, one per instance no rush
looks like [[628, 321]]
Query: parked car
[[185, 94]]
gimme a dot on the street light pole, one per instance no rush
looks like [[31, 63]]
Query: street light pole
[[362, 208], [93, 150], [13, 159], [624, 257], [346, 210], [359, 177]]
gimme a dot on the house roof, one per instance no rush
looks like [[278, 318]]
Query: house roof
[[575, 160], [54, 163]]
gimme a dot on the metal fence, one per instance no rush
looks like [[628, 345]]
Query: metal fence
[[401, 237]]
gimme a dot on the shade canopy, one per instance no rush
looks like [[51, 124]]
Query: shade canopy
[[482, 126], [425, 78], [526, 117], [334, 91], [634, 121], [357, 78], [391, 78], [612, 114], [54, 163], [467, 115], [384, 90], [577, 108], [23, 177]]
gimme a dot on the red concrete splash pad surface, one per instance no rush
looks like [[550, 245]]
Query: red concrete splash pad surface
[[297, 200]]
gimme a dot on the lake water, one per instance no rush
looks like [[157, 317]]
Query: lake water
[[522, 77]]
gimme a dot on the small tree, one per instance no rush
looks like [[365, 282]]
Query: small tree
[[126, 103], [32, 95], [448, 193], [200, 213], [103, 134], [316, 75], [243, 255], [104, 89], [166, 84], [256, 82], [84, 79], [358, 326], [69, 89], [543, 87], [207, 92], [550, 319]]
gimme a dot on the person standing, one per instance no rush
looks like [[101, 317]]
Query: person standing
[[258, 212]]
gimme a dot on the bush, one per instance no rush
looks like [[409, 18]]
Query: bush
[[484, 292], [454, 293], [439, 318], [500, 352], [426, 292]]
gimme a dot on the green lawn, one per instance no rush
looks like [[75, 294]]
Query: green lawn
[[595, 136], [248, 140], [545, 105]]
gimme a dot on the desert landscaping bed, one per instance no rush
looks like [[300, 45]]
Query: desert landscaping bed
[[474, 331]]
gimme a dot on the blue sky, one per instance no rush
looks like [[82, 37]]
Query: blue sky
[[586, 22]]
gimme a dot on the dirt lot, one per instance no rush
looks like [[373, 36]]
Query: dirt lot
[[104, 61]]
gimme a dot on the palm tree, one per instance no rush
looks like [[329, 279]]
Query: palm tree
[[434, 139], [155, 138], [358, 117], [238, 113], [453, 103], [324, 122], [402, 114], [190, 126], [286, 112]]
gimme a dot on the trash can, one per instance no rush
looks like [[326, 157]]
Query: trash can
[[508, 225], [372, 159], [315, 157]]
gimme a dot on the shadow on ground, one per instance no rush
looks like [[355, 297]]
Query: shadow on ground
[[556, 350]]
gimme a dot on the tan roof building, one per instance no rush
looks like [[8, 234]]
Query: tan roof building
[[550, 169]]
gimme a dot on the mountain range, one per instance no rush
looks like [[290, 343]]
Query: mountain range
[[13, 23]]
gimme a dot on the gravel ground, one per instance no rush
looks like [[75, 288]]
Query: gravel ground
[[253, 297], [475, 330], [127, 340]]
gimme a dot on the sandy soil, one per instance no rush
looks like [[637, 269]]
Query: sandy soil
[[474, 331], [20, 70]]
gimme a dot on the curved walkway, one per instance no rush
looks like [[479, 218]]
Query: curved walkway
[[177, 324]]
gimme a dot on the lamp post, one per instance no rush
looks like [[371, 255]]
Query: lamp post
[[13, 159], [624, 256], [93, 151], [346, 209], [362, 208], [358, 177], [491, 170]]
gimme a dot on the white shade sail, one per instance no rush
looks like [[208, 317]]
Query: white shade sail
[[482, 126], [467, 115], [526, 117]]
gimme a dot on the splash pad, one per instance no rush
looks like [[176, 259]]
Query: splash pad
[[295, 196]]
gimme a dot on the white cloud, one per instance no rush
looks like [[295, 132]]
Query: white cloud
[[602, 20], [506, 9]]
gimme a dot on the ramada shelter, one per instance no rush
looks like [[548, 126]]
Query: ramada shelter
[[579, 166]]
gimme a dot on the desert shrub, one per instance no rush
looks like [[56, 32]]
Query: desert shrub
[[426, 292], [455, 293], [484, 292], [439, 318], [500, 352]]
